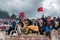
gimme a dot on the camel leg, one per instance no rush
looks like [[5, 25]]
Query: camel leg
[[54, 34]]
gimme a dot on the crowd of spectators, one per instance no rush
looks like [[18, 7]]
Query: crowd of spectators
[[45, 24]]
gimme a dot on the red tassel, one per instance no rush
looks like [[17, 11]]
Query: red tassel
[[3, 27]]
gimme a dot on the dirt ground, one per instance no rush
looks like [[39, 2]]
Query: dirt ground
[[23, 37], [2, 35]]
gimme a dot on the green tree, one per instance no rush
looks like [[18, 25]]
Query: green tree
[[4, 14], [13, 16]]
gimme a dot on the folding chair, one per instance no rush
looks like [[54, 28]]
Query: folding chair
[[14, 32]]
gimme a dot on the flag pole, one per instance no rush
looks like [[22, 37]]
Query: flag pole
[[43, 13]]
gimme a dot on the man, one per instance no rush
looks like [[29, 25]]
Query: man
[[40, 26], [33, 22], [48, 26], [56, 26], [13, 24]]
